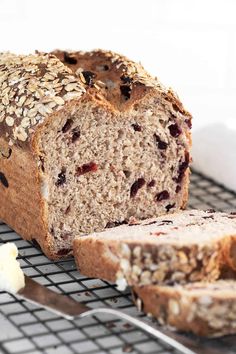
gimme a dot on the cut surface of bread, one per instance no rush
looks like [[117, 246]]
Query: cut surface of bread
[[87, 140], [188, 246], [206, 309]]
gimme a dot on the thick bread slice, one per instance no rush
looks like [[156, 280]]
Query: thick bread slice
[[206, 309], [184, 247]]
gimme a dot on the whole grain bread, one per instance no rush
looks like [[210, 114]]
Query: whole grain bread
[[87, 140], [188, 246], [206, 309]]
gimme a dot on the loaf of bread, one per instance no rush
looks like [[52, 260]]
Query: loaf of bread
[[188, 246], [87, 140], [206, 309]]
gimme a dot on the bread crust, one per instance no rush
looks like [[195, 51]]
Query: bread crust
[[144, 258], [119, 67], [23, 207], [204, 312], [21, 203], [42, 65], [105, 266]]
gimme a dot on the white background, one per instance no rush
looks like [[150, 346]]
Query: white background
[[189, 44]]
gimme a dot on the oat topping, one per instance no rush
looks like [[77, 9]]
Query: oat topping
[[166, 252], [132, 72], [206, 309], [31, 88], [34, 86]]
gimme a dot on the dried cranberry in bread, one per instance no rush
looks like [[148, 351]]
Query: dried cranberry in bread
[[206, 309], [188, 246], [87, 140]]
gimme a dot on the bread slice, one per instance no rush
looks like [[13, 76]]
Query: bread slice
[[206, 309], [189, 246], [87, 140]]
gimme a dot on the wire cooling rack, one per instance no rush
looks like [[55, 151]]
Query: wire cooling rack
[[27, 329]]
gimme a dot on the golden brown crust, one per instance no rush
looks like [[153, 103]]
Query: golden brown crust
[[157, 302], [202, 308], [171, 258], [121, 72], [21, 204], [104, 267]]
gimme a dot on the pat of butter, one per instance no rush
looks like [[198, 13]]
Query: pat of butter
[[11, 276]]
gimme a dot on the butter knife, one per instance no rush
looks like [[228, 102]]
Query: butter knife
[[70, 309]]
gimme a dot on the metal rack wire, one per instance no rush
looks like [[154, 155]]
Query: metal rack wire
[[27, 329]]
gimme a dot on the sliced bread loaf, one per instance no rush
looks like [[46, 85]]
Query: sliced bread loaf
[[206, 309], [184, 247], [86, 140]]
